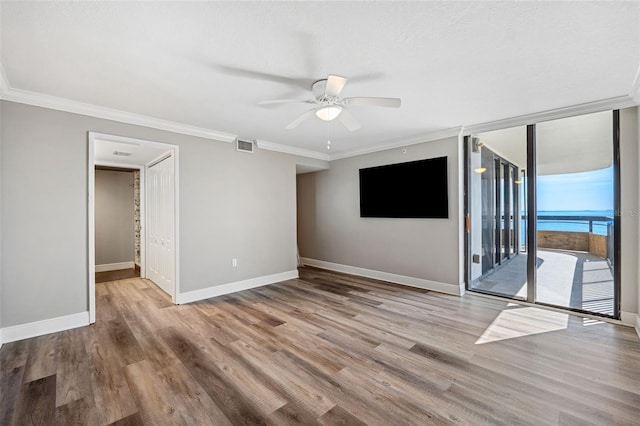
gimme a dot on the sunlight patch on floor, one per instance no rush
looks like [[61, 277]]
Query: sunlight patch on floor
[[591, 321], [520, 322]]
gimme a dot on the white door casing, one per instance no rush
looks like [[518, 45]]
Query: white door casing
[[173, 268], [161, 224]]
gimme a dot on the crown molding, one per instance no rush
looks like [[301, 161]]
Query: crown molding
[[618, 102], [67, 105], [397, 143], [286, 149], [37, 99]]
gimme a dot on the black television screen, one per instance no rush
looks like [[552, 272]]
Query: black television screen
[[417, 189]]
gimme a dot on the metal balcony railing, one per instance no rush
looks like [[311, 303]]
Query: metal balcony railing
[[601, 225]]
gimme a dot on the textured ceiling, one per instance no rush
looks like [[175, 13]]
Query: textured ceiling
[[208, 64]]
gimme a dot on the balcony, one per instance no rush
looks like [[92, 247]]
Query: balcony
[[574, 264]]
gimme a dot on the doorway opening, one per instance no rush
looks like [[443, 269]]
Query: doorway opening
[[117, 223], [154, 232]]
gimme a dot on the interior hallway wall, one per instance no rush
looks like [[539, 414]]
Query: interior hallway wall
[[637, 259], [629, 210], [232, 205], [114, 217], [331, 229], [1, 197]]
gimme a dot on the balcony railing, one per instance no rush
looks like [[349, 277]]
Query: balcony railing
[[598, 231], [581, 221]]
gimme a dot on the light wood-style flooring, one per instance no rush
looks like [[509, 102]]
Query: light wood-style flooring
[[327, 349]]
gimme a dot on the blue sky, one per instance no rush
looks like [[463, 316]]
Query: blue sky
[[591, 190]]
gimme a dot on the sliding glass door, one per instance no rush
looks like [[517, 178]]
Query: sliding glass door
[[498, 259], [563, 253], [575, 192]]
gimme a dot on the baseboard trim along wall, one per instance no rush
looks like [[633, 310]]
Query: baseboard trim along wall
[[219, 290], [453, 289], [114, 266], [638, 324], [39, 328], [628, 318]]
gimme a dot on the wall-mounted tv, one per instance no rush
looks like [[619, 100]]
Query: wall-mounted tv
[[416, 189]]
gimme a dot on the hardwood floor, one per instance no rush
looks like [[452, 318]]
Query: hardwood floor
[[324, 349], [120, 274]]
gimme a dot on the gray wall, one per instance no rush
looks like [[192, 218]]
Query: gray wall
[[330, 227], [306, 164], [232, 204], [1, 136], [114, 217], [630, 209]]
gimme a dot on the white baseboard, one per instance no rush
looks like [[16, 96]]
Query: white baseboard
[[638, 324], [219, 290], [453, 289], [39, 328], [628, 318], [114, 266]]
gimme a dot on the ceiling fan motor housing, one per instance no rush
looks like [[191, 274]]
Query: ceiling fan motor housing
[[319, 92]]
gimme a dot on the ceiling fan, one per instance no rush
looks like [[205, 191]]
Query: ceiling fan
[[329, 105]]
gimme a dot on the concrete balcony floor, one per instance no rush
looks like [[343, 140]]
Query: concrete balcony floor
[[565, 278]]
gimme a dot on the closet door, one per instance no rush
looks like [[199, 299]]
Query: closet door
[[161, 224]]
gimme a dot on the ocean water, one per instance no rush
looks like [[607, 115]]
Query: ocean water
[[574, 225]]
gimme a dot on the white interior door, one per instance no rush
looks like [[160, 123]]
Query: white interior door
[[161, 224]]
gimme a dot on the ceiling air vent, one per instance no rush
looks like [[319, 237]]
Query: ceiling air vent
[[244, 145], [122, 153]]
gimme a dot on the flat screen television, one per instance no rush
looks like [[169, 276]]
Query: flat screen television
[[416, 189]]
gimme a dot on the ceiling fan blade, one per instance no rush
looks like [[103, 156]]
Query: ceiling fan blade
[[335, 84], [302, 83], [286, 101], [348, 120], [295, 123], [380, 102]]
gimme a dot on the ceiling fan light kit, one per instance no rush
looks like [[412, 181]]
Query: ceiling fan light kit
[[326, 95], [328, 113]]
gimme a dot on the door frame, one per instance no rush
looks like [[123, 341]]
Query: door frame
[[531, 232], [91, 255]]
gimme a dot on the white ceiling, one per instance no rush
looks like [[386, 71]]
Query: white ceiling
[[208, 64], [140, 153], [568, 145]]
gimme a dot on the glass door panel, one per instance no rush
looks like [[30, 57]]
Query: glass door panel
[[500, 228], [513, 198], [485, 173], [498, 265], [575, 199]]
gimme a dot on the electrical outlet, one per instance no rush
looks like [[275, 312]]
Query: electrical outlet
[[234, 262]]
